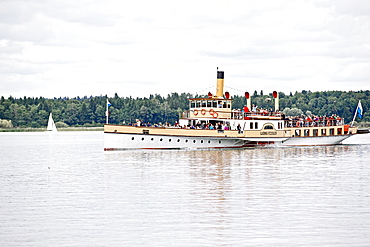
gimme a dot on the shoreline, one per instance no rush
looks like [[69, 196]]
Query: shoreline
[[44, 129]]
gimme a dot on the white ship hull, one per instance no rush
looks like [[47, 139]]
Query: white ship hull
[[118, 137], [114, 141], [315, 140]]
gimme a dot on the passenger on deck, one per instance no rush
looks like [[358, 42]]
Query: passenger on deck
[[239, 128], [245, 109], [254, 108]]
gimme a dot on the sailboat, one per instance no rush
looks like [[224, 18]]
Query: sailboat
[[51, 124]]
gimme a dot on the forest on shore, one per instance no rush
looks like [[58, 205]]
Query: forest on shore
[[90, 111]]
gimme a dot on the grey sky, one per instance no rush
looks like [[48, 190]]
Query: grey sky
[[77, 48]]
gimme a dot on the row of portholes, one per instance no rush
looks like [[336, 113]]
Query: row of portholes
[[178, 140]]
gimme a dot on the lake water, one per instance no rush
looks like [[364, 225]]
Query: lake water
[[63, 190]]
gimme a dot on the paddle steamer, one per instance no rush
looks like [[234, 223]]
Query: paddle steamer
[[211, 122]]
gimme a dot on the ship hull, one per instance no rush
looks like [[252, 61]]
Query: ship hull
[[316, 140], [119, 141], [115, 141]]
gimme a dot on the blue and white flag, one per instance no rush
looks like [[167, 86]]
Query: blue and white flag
[[108, 103], [360, 111]]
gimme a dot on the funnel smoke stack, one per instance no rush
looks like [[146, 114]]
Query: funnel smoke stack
[[220, 84]]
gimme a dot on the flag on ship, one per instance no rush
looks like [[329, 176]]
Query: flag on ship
[[108, 103], [360, 111]]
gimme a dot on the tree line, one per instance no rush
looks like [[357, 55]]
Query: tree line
[[90, 111]]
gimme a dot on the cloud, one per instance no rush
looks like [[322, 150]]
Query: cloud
[[62, 48]]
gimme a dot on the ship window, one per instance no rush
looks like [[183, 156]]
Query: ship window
[[306, 132], [331, 131], [194, 141], [178, 140], [192, 105], [169, 140], [339, 131], [142, 139], [146, 132], [133, 138], [201, 141], [209, 104], [251, 125], [219, 142], [161, 139], [209, 141], [186, 140], [256, 125], [204, 103], [315, 132], [297, 132], [323, 132], [268, 127], [214, 104], [152, 139], [198, 104]]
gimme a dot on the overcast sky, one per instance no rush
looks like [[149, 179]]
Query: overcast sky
[[60, 48]]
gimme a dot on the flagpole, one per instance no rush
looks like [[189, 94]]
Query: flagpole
[[355, 113], [106, 113]]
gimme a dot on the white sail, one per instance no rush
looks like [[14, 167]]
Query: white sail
[[51, 124]]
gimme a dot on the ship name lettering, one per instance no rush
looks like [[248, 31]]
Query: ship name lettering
[[268, 133]]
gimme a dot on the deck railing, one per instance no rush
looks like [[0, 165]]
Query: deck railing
[[288, 122], [313, 123]]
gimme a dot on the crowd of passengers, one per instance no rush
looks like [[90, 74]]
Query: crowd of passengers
[[312, 121], [199, 125], [297, 121]]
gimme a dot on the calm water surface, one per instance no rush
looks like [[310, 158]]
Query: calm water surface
[[63, 190]]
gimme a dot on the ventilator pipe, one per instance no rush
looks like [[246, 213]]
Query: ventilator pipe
[[276, 96], [247, 96]]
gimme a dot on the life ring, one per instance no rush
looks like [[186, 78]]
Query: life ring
[[211, 112], [203, 111], [195, 112], [215, 114]]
